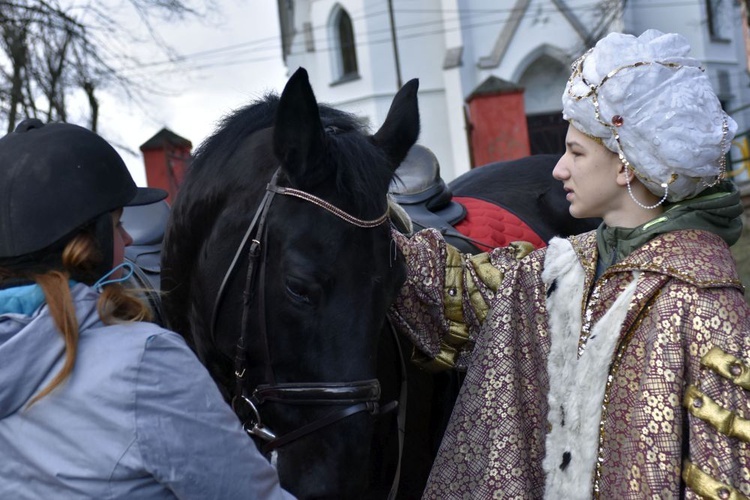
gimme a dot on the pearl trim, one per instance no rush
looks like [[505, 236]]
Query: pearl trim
[[647, 207]]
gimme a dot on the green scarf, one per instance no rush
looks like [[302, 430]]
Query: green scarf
[[717, 209]]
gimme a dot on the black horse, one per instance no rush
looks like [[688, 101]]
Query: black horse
[[282, 294], [278, 269]]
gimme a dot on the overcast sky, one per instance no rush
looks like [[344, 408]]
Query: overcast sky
[[231, 60]]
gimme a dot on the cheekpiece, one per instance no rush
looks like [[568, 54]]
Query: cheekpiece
[[654, 106]]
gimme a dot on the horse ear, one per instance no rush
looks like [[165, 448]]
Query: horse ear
[[401, 127], [298, 132]]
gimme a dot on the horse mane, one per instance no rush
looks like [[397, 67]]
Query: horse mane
[[363, 170], [235, 128]]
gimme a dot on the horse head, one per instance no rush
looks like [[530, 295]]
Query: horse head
[[278, 267]]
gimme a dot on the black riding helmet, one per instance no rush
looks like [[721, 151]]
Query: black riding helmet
[[56, 179]]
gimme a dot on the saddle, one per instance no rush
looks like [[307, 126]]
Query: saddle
[[146, 224], [418, 188]]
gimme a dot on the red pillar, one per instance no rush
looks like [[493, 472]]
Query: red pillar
[[497, 122], [166, 157]]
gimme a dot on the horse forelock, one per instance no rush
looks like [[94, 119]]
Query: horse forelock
[[362, 170]]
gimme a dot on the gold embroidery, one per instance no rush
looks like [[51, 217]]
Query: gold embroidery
[[723, 420], [458, 333], [620, 350], [521, 249], [706, 486], [687, 278], [489, 274], [727, 366], [454, 288], [453, 296], [444, 360]]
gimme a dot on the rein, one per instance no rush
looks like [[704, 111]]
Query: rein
[[349, 397]]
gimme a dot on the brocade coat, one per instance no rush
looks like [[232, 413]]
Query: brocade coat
[[635, 385]]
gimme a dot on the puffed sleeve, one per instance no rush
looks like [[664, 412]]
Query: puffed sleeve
[[717, 398], [446, 296], [189, 438]]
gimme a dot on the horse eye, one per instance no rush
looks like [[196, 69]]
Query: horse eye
[[297, 291]]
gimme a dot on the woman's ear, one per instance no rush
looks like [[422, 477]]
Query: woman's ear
[[625, 175]]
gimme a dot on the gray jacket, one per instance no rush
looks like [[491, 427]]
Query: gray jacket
[[138, 418]]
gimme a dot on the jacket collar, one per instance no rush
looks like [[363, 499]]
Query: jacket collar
[[698, 257]]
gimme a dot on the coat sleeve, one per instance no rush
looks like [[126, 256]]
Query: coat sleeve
[[446, 296], [717, 397], [188, 437]]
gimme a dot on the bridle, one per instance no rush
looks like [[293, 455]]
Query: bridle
[[349, 398]]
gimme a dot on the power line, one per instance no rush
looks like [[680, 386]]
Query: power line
[[255, 48]]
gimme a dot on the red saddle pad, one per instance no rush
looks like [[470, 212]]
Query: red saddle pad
[[493, 226]]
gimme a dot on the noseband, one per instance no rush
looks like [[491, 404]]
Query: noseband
[[350, 398]]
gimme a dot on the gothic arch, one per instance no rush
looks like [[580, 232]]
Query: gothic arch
[[344, 64], [543, 74]]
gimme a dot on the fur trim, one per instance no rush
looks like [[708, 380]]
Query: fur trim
[[576, 384]]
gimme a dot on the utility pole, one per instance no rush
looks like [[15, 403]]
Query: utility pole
[[395, 45]]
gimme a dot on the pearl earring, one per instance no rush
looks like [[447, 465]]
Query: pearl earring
[[647, 207]]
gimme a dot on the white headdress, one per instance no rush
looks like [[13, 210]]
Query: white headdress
[[654, 106]]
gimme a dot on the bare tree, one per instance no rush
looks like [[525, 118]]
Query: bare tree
[[51, 50]]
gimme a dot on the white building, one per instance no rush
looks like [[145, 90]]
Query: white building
[[453, 46]]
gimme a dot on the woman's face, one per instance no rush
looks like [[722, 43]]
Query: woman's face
[[589, 171], [121, 239]]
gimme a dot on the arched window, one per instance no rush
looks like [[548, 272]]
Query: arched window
[[345, 50]]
